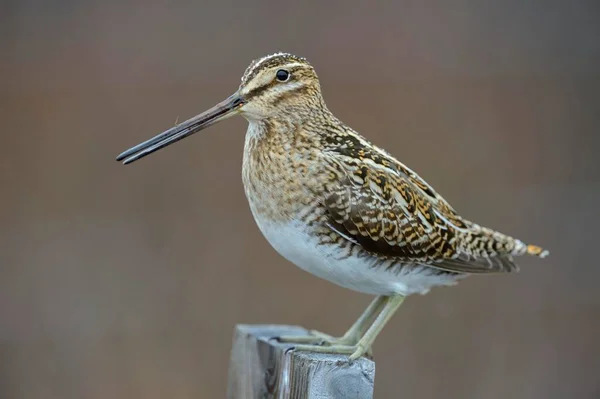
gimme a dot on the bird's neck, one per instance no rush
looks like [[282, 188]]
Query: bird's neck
[[278, 161]]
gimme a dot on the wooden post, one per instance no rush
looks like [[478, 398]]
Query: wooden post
[[262, 367]]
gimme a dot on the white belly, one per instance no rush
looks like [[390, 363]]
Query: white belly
[[292, 241]]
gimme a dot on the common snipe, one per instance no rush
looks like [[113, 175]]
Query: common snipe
[[339, 207]]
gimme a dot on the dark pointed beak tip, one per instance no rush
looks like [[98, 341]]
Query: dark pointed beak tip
[[126, 158], [122, 157]]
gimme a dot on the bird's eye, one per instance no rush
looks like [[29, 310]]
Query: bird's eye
[[282, 75]]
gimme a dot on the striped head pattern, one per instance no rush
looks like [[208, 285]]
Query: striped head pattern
[[279, 84]]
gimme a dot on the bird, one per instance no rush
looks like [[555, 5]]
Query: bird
[[339, 207]]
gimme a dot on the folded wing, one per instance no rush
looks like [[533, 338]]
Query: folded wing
[[392, 213]]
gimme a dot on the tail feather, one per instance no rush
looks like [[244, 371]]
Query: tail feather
[[537, 251], [524, 249]]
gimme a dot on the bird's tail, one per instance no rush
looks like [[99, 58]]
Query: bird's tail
[[525, 249]]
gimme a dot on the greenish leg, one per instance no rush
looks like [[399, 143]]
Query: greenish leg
[[363, 345], [391, 304], [350, 338], [360, 326]]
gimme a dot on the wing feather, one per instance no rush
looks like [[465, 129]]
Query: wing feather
[[392, 213]]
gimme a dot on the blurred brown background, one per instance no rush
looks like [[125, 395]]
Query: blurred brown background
[[126, 282]]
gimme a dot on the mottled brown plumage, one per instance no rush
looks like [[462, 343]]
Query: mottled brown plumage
[[366, 195], [393, 213], [338, 206]]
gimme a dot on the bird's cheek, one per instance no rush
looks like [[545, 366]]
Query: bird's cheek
[[252, 111]]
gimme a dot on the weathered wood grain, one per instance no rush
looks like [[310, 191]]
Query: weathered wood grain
[[261, 367]]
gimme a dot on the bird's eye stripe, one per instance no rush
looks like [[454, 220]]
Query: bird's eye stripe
[[258, 90], [294, 71]]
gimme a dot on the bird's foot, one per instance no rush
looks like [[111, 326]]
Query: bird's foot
[[324, 343], [315, 337], [355, 351]]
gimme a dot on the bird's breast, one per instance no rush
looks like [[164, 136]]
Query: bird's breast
[[280, 180]]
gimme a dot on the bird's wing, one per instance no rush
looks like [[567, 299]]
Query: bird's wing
[[391, 212]]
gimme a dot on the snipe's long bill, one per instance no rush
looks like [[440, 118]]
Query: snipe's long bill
[[340, 207], [221, 111]]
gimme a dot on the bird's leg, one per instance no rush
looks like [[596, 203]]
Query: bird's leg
[[364, 343], [351, 336], [355, 333]]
